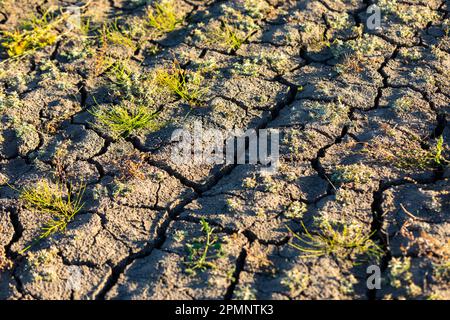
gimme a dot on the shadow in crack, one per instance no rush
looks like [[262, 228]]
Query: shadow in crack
[[10, 144]]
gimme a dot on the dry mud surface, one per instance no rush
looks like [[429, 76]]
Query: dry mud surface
[[360, 113]]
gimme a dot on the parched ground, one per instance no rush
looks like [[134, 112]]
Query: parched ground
[[363, 176]]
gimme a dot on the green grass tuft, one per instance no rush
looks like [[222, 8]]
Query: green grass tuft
[[163, 16], [34, 33], [339, 239], [124, 119], [229, 36], [114, 35], [187, 85], [412, 158], [60, 201]]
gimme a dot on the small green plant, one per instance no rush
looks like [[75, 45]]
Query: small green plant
[[23, 129], [257, 9], [360, 48], [404, 104], [128, 84], [163, 16], [296, 210], [296, 281], [436, 152], [247, 67], [61, 201], [245, 292], [411, 15], [350, 63], [204, 250], [188, 85], [401, 277], [249, 182], [114, 35], [416, 157], [410, 54], [442, 270], [329, 113], [120, 74], [233, 204], [229, 36], [179, 235], [357, 173], [336, 238], [126, 118], [399, 271], [313, 36], [340, 21], [277, 61], [9, 101], [41, 264], [34, 33]]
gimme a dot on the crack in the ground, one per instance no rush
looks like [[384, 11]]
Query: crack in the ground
[[378, 218], [13, 256]]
